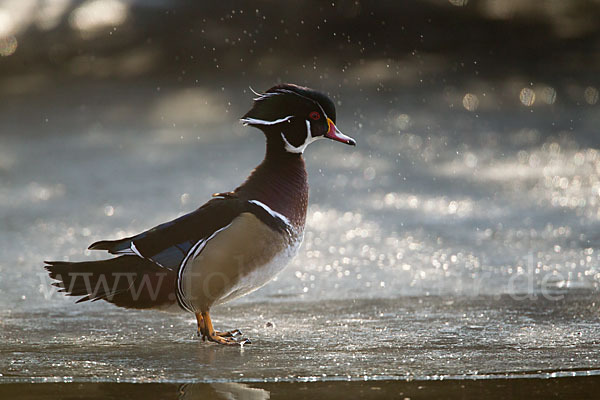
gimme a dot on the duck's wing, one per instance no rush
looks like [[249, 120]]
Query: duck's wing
[[168, 244]]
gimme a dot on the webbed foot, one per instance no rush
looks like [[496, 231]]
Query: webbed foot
[[207, 332]]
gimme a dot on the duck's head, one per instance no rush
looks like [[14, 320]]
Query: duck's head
[[293, 116]]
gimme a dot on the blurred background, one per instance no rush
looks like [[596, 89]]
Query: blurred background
[[468, 212]]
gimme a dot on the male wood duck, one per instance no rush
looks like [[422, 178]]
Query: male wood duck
[[232, 245]]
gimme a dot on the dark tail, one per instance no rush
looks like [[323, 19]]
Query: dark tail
[[126, 281]]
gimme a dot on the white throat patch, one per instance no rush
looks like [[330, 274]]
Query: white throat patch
[[300, 149]]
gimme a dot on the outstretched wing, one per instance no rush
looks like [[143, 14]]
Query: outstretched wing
[[168, 244]]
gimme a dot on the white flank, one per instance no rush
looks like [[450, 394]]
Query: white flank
[[260, 276]]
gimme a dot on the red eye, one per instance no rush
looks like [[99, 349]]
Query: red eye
[[314, 116]]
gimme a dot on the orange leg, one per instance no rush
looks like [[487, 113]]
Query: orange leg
[[206, 330]]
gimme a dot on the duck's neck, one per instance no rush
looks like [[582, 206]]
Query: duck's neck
[[281, 183]]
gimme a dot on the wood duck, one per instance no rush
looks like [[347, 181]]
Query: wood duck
[[232, 245]]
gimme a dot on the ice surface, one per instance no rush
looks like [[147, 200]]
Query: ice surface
[[404, 338], [445, 244]]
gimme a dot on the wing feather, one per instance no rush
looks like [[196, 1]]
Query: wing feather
[[167, 244]]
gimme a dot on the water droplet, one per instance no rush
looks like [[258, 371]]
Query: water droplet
[[8, 45], [403, 122], [109, 210], [548, 95], [527, 97], [470, 102], [591, 95], [185, 198], [471, 160]]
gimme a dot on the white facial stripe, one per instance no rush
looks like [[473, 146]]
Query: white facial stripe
[[288, 146], [265, 96], [254, 121], [300, 149], [273, 213], [262, 96], [253, 91], [283, 91]]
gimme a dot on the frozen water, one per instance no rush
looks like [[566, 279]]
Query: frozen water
[[447, 243], [410, 337]]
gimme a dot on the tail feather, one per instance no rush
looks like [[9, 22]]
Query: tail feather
[[126, 281]]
